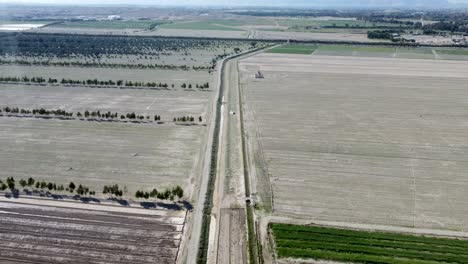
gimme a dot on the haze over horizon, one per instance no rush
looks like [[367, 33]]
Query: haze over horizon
[[273, 3]]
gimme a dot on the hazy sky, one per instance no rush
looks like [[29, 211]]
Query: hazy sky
[[206, 2]]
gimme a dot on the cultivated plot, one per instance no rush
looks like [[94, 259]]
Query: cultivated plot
[[45, 231], [363, 140], [365, 247]]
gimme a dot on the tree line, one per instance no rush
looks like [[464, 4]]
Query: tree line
[[10, 183], [163, 195], [104, 65], [119, 83], [187, 119], [85, 114], [113, 190]]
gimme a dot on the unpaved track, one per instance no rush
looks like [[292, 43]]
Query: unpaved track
[[71, 232], [230, 189], [230, 194]]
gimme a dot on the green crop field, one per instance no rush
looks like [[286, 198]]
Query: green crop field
[[294, 49], [365, 247], [199, 25]]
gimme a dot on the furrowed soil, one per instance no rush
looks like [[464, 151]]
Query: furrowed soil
[[70, 232], [361, 140]]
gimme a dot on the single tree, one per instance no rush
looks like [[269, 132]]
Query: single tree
[[23, 183], [31, 181], [71, 186]]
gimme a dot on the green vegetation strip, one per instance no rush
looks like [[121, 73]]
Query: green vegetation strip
[[365, 247], [294, 49]]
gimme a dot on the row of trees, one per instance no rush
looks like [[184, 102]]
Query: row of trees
[[104, 65], [115, 190], [51, 186], [93, 82], [85, 114], [199, 86], [187, 119], [164, 195], [39, 111]]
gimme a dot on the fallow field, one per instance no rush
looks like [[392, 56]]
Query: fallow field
[[138, 156], [360, 140]]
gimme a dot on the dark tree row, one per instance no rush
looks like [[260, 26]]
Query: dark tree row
[[199, 86], [112, 190], [164, 195], [40, 111], [50, 186], [92, 82], [187, 119], [85, 114], [105, 65]]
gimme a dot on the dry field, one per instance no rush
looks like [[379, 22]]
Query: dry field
[[37, 231], [176, 77], [361, 140], [169, 32], [349, 37], [99, 153]]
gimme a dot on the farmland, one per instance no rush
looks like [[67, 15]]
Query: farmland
[[294, 49], [51, 231], [365, 247], [111, 24], [96, 111], [202, 25], [375, 51], [352, 139]]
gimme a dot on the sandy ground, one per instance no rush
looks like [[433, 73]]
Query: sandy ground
[[363, 140], [49, 231]]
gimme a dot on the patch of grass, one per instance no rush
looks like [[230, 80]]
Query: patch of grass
[[200, 25], [294, 49], [365, 247]]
